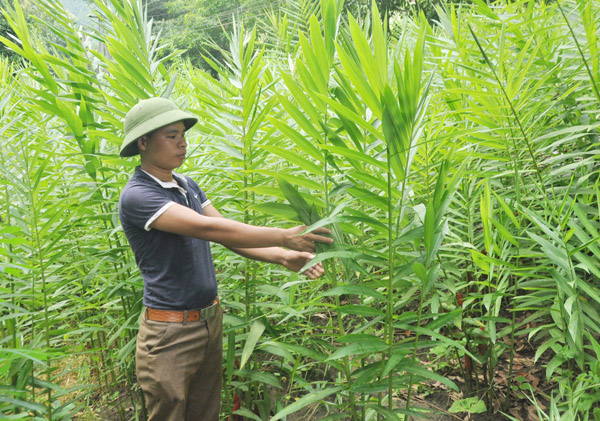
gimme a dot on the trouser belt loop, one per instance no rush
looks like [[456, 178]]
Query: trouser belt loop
[[185, 316]]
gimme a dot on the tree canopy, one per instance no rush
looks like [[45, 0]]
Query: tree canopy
[[200, 26]]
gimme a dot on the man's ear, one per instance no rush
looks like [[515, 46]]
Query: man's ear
[[142, 142]]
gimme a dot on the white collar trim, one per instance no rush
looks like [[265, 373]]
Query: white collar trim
[[170, 184]]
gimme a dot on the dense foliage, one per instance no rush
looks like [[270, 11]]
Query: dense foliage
[[456, 163]]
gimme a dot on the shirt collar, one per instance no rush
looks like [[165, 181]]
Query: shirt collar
[[169, 184]]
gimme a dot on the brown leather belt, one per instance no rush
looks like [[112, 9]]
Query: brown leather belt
[[183, 316]]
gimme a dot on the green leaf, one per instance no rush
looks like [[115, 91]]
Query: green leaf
[[423, 372], [352, 154], [393, 361], [276, 348], [340, 254], [246, 413], [359, 310], [311, 397], [378, 40], [307, 214], [230, 359], [367, 60], [264, 378], [509, 212], [472, 405], [358, 79], [504, 232], [354, 290], [294, 159], [300, 141], [24, 404], [420, 271], [330, 18], [359, 348], [256, 331], [300, 118], [319, 67], [280, 210], [554, 363], [302, 99]]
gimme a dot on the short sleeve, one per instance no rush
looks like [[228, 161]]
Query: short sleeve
[[204, 201], [141, 205]]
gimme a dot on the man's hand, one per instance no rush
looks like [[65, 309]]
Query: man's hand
[[296, 260], [306, 242]]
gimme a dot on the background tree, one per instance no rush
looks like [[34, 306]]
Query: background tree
[[200, 26]]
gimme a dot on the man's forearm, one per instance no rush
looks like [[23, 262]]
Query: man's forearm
[[265, 254], [182, 220], [233, 234], [290, 259]]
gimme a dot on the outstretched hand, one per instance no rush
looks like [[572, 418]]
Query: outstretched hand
[[306, 242], [296, 260]]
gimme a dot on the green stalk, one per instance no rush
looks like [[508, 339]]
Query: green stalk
[[390, 295], [332, 275], [585, 62], [40, 261], [247, 263], [127, 304], [33, 278], [116, 265], [12, 322], [517, 185], [363, 412], [250, 267], [106, 357], [419, 314], [247, 300], [416, 347]]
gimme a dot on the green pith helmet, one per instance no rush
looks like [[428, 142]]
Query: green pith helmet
[[147, 116]]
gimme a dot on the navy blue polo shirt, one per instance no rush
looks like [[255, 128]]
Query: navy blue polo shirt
[[177, 270]]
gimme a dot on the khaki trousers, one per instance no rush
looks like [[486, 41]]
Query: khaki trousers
[[179, 368]]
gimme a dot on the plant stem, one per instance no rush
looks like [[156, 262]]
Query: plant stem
[[585, 62], [390, 292]]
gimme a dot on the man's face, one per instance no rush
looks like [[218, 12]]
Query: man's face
[[166, 147]]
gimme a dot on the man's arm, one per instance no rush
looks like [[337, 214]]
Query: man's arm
[[290, 259], [182, 220]]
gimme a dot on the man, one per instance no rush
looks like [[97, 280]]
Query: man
[[169, 222]]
